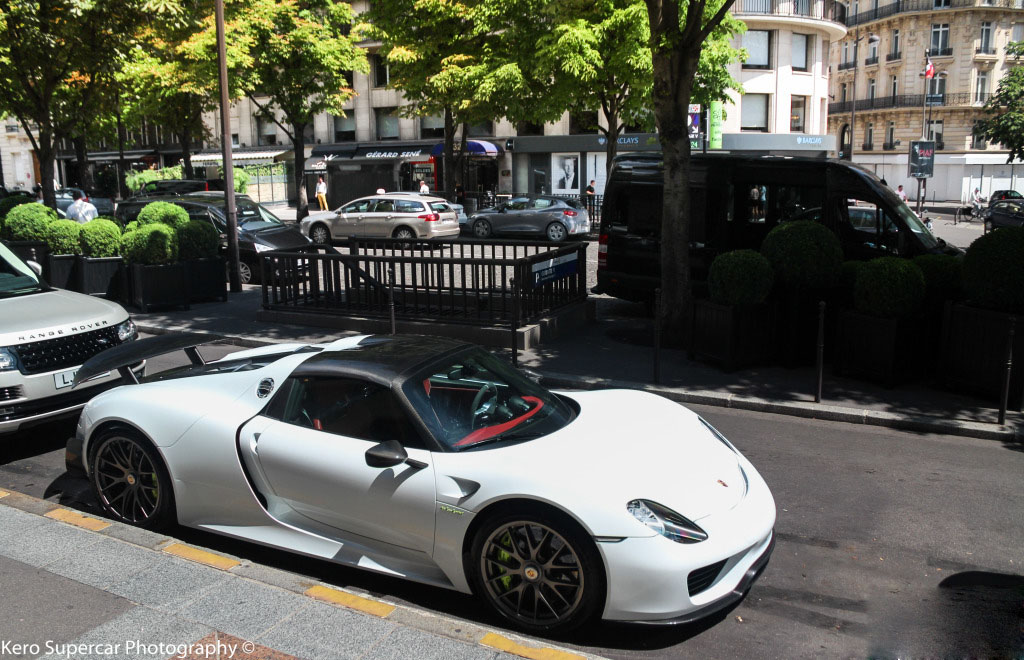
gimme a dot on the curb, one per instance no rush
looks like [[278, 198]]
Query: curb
[[400, 615], [807, 410]]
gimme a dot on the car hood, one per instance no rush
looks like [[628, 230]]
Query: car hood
[[52, 314], [325, 216], [279, 237], [624, 445]]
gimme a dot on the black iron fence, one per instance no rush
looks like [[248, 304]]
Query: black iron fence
[[827, 10], [906, 6], [499, 283], [957, 99]]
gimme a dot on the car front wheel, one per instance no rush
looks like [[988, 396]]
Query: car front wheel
[[482, 228], [130, 480], [538, 570]]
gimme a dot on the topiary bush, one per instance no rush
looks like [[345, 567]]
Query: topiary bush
[[198, 240], [111, 219], [740, 277], [63, 237], [889, 287], [993, 270], [153, 244], [804, 255], [8, 203], [942, 278], [100, 238], [165, 213], [28, 222], [131, 226]]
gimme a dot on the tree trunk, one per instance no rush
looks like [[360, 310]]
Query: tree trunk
[[44, 152], [299, 147], [460, 160], [81, 162], [611, 147], [449, 148], [187, 171]]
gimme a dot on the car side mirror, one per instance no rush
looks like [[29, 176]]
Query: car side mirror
[[36, 268], [532, 375], [386, 454]]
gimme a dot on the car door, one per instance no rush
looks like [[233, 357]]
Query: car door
[[377, 223], [543, 212], [349, 218], [307, 456], [511, 221]]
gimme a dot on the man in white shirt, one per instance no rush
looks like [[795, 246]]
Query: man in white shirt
[[901, 193], [424, 188], [81, 210]]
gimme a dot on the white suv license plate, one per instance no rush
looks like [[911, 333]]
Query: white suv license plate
[[67, 378]]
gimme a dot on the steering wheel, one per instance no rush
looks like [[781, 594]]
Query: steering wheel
[[478, 401]]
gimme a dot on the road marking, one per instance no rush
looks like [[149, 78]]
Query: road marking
[[201, 556], [505, 644], [77, 519], [338, 597], [4, 493]]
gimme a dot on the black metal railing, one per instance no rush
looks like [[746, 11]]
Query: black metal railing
[[498, 283], [888, 146], [958, 99], [827, 11], [871, 61], [984, 50], [941, 52], [867, 147], [843, 66], [892, 57], [907, 6]]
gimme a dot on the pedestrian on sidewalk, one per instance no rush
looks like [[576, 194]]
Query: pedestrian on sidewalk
[[81, 210], [424, 188], [901, 193], [321, 193]]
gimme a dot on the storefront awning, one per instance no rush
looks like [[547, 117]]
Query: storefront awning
[[108, 156], [240, 157], [473, 148], [388, 152]]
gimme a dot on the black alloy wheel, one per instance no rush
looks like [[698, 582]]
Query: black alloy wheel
[[131, 482], [538, 571], [481, 228]]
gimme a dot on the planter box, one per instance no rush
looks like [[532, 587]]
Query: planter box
[[884, 350], [36, 251], [99, 276], [60, 269], [206, 280], [974, 352], [733, 336], [158, 286]]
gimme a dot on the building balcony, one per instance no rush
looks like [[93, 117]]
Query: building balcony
[[867, 147], [893, 57], [871, 61], [915, 6], [890, 146], [941, 52], [844, 66], [826, 10], [960, 99]]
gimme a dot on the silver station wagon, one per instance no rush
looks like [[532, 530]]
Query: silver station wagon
[[384, 216]]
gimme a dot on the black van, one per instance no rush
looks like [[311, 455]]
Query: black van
[[734, 202]]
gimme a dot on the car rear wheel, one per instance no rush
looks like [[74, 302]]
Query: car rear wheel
[[482, 228], [245, 273], [403, 232], [556, 232], [538, 570], [130, 480], [320, 234]]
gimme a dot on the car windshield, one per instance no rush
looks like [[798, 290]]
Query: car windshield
[[254, 217], [903, 211], [473, 400], [16, 278]]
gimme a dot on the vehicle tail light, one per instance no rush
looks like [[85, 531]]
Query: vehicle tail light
[[570, 213], [429, 217], [206, 186], [602, 251]]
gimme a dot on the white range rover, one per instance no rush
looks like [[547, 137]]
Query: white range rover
[[45, 335]]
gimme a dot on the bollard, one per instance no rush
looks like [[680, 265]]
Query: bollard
[[657, 336], [391, 299], [1005, 397], [821, 350]]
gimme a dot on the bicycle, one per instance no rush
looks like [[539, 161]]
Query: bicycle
[[969, 212]]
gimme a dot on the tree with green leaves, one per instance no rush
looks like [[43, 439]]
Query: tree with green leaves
[[680, 30], [300, 53], [1005, 121]]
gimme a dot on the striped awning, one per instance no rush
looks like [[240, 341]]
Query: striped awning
[[240, 157]]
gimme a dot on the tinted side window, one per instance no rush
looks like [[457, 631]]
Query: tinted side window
[[357, 207], [541, 203], [384, 206], [406, 206], [440, 207]]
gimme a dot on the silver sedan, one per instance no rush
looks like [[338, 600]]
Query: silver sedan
[[384, 216]]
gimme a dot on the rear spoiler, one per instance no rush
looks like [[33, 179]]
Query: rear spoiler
[[124, 356]]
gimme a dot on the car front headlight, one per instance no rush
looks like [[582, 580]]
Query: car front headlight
[[262, 248], [666, 522], [126, 331], [7, 361]]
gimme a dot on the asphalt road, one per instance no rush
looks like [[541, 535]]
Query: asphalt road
[[889, 544]]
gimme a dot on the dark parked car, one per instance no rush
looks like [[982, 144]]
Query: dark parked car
[[553, 217], [4, 192], [1000, 195], [179, 187], [1005, 213], [259, 230]]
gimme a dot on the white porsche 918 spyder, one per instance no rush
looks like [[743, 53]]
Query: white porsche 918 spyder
[[433, 460]]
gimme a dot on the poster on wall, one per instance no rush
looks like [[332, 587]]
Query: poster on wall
[[565, 177]]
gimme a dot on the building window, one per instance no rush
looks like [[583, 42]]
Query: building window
[[935, 132], [1017, 33], [482, 129], [895, 52], [387, 123], [978, 141], [940, 4], [936, 90], [345, 129], [894, 86], [234, 139], [940, 38], [798, 114], [869, 134], [986, 38], [871, 88], [349, 79], [759, 47], [890, 135], [432, 127], [529, 128], [754, 112], [981, 87], [873, 51], [266, 133], [846, 52], [381, 71], [582, 123], [802, 52], [842, 92]]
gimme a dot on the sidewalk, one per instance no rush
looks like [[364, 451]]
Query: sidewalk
[[616, 351], [81, 587]]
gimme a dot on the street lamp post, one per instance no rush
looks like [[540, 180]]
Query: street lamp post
[[926, 122], [872, 39]]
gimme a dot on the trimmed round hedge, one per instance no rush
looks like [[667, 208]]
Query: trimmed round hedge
[[151, 245], [942, 277], [889, 287], [8, 203], [100, 238], [165, 213], [993, 270], [804, 255], [198, 240], [28, 222], [131, 226], [740, 277], [63, 237]]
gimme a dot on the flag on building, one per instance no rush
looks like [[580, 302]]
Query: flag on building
[[929, 70]]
